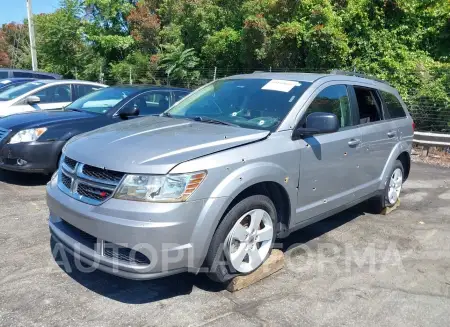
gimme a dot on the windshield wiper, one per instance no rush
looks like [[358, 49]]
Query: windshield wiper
[[210, 120], [73, 109]]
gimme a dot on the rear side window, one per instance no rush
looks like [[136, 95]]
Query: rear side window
[[3, 74], [178, 95], [42, 76], [23, 74], [81, 90], [333, 99], [369, 105], [394, 107]]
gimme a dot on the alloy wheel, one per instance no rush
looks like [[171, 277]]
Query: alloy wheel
[[249, 241]]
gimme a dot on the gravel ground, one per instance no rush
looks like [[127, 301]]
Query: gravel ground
[[353, 269]]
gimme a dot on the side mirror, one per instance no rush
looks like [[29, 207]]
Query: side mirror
[[31, 100], [129, 111], [318, 123]]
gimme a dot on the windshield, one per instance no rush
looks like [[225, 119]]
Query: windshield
[[250, 103], [17, 91], [102, 100]]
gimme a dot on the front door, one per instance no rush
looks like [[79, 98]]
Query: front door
[[329, 162]]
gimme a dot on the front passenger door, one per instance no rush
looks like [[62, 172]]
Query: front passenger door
[[328, 162]]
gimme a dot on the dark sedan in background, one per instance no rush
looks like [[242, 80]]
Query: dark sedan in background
[[32, 142]]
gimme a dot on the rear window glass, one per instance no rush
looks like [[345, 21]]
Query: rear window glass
[[23, 74], [394, 107]]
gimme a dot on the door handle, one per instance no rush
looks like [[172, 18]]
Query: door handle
[[354, 142], [391, 133]]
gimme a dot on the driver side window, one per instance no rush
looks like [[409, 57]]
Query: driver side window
[[333, 99]]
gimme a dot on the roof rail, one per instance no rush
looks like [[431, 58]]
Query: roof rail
[[354, 73]]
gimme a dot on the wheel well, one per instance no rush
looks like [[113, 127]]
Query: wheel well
[[406, 162], [276, 193]]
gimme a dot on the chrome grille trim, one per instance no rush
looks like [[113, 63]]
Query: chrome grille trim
[[81, 181], [4, 133]]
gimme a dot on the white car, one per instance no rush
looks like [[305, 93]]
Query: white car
[[44, 95]]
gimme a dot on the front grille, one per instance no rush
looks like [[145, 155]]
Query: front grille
[[95, 193], [125, 254], [102, 174], [87, 183], [78, 235], [67, 181], [70, 162], [3, 133], [110, 250]]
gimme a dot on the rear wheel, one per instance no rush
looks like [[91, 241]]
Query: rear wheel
[[243, 240], [392, 190]]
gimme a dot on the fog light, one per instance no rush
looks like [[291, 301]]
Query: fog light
[[21, 162]]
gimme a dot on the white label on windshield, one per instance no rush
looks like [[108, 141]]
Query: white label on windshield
[[280, 85], [6, 81]]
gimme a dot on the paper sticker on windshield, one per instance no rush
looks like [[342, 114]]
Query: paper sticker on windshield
[[280, 85], [6, 81]]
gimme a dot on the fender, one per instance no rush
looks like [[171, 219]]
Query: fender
[[400, 147], [223, 195]]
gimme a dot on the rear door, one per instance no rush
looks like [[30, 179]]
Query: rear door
[[329, 162], [379, 135]]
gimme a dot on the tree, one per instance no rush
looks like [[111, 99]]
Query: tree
[[60, 41], [223, 49], [179, 65], [15, 45], [144, 27]]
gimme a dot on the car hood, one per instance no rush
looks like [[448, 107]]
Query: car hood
[[41, 118], [155, 145]]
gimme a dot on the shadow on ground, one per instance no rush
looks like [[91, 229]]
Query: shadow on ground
[[132, 291], [23, 179], [138, 292]]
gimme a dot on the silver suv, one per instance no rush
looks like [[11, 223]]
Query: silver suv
[[211, 183]]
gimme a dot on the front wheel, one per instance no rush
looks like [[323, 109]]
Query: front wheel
[[243, 240]]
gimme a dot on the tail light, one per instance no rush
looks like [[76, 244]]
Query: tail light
[[414, 126]]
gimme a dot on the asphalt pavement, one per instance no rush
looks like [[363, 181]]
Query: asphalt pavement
[[352, 269]]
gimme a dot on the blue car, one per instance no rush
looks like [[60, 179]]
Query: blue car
[[6, 84]]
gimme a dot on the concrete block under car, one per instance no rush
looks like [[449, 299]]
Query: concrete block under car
[[273, 264]]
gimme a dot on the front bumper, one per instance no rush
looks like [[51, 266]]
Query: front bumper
[[174, 237], [36, 157]]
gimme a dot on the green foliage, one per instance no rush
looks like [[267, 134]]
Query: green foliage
[[405, 42], [180, 64], [222, 48]]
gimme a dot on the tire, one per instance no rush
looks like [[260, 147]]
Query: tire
[[220, 267], [384, 200]]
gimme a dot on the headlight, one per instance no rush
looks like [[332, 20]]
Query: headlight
[[158, 188], [27, 135]]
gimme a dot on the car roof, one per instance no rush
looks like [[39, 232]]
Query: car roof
[[65, 81], [151, 87], [29, 71], [313, 77]]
